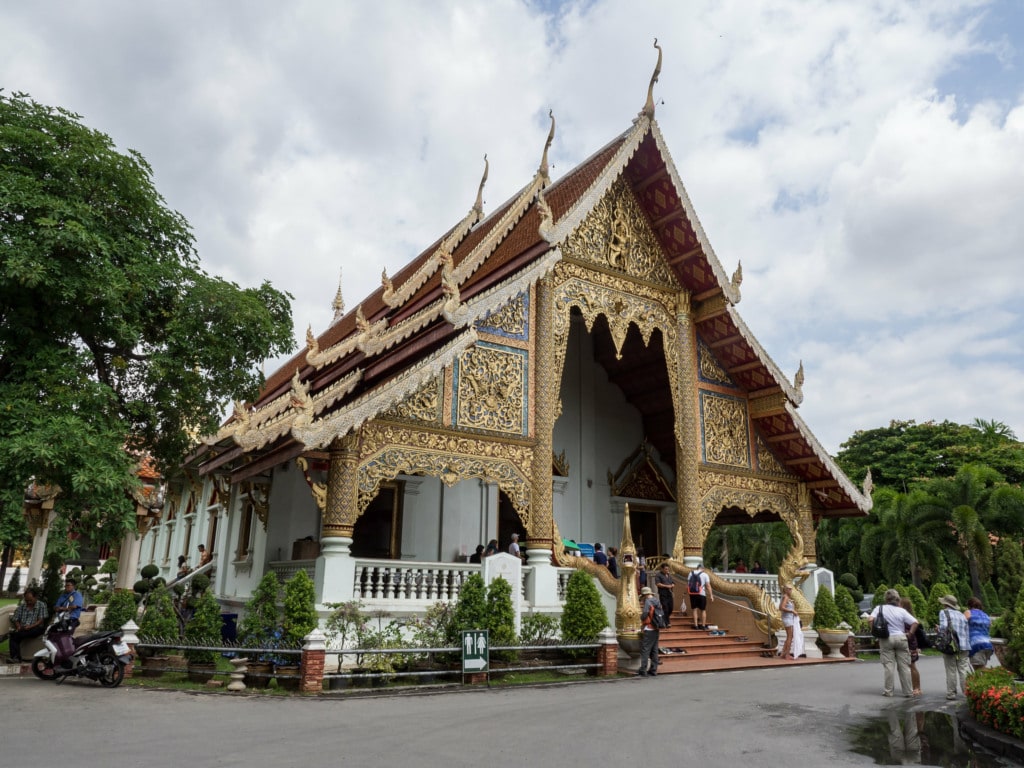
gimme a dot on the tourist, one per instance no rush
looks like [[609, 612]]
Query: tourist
[[741, 567], [895, 649], [958, 665], [788, 610], [477, 557], [492, 548], [979, 623], [698, 584], [665, 583], [613, 561], [183, 568], [27, 621], [915, 651], [758, 568], [513, 548], [70, 602], [641, 567], [649, 635], [204, 556], [600, 558]]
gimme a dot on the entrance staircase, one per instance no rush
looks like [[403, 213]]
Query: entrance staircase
[[685, 649]]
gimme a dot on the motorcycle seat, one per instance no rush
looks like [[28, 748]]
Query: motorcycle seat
[[88, 638]]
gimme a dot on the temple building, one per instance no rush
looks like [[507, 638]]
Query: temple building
[[544, 369]]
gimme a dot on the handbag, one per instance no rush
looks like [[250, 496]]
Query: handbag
[[879, 626], [946, 640]]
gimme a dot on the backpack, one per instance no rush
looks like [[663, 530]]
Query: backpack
[[879, 626], [659, 621], [693, 583], [946, 640]]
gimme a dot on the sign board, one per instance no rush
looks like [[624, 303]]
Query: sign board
[[476, 651], [587, 550]]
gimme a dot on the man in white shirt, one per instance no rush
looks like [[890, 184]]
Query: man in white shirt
[[513, 548], [895, 651]]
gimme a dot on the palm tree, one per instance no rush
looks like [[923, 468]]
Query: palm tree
[[993, 429], [977, 501], [909, 528]]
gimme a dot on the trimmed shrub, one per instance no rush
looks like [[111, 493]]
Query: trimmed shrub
[[879, 597], [917, 599], [826, 614], [991, 598], [150, 571], [538, 629], [203, 629], [121, 609], [583, 616], [931, 611], [847, 608], [501, 617], [471, 608], [261, 619], [299, 609], [160, 620], [1009, 570], [15, 583]]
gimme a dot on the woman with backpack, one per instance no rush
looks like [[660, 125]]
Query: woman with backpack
[[954, 640]]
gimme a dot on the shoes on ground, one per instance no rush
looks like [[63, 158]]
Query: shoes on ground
[[652, 674], [641, 674], [888, 695], [950, 697]]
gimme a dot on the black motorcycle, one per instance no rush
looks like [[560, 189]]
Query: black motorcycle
[[101, 657]]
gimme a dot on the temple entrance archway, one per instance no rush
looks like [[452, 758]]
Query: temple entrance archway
[[378, 531]]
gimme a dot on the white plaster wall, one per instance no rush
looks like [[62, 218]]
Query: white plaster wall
[[293, 513]]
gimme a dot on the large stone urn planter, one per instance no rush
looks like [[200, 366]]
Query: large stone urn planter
[[835, 639]]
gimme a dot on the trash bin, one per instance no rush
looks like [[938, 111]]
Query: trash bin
[[229, 627]]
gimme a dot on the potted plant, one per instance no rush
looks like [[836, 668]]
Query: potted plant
[[299, 620], [827, 622], [259, 628], [160, 624], [203, 629]]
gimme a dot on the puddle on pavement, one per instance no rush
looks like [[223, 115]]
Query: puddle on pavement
[[920, 738]]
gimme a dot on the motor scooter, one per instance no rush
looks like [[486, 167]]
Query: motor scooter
[[101, 656]]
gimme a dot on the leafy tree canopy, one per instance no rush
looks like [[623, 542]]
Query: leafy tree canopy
[[906, 452], [111, 335]]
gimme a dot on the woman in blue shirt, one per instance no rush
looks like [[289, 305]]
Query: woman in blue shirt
[[978, 622]]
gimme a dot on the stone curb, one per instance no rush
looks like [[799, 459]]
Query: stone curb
[[992, 740]]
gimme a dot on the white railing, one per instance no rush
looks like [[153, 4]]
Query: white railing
[[769, 582], [405, 581]]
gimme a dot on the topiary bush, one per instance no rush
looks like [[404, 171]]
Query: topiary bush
[[203, 628], [917, 600], [299, 609], [160, 622], [846, 607], [1009, 570], [150, 571], [991, 598], [261, 622], [15, 583], [121, 609], [501, 617], [470, 609], [879, 596], [53, 580], [931, 611], [826, 614], [583, 616]]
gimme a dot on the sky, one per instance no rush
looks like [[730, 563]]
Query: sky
[[862, 159]]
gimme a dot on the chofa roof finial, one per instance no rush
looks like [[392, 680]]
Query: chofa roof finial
[[648, 110], [479, 205], [543, 170], [339, 302]]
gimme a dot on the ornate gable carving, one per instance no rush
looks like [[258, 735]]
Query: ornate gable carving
[[617, 236], [490, 389], [709, 369], [423, 405], [766, 461], [640, 477], [724, 428], [511, 320]]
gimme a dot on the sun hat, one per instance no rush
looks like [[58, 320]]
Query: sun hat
[[950, 602], [646, 591]]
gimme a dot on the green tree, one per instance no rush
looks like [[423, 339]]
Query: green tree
[[160, 622], [111, 335], [906, 453], [299, 609], [826, 614], [583, 616], [907, 534], [1009, 570]]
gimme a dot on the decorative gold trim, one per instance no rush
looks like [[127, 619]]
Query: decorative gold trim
[[318, 490]]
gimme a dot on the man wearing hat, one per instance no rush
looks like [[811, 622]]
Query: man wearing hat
[[895, 650], [957, 664], [648, 635]]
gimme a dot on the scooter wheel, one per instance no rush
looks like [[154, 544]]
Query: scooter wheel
[[113, 671], [43, 669]]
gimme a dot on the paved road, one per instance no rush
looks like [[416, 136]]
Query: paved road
[[754, 718]]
